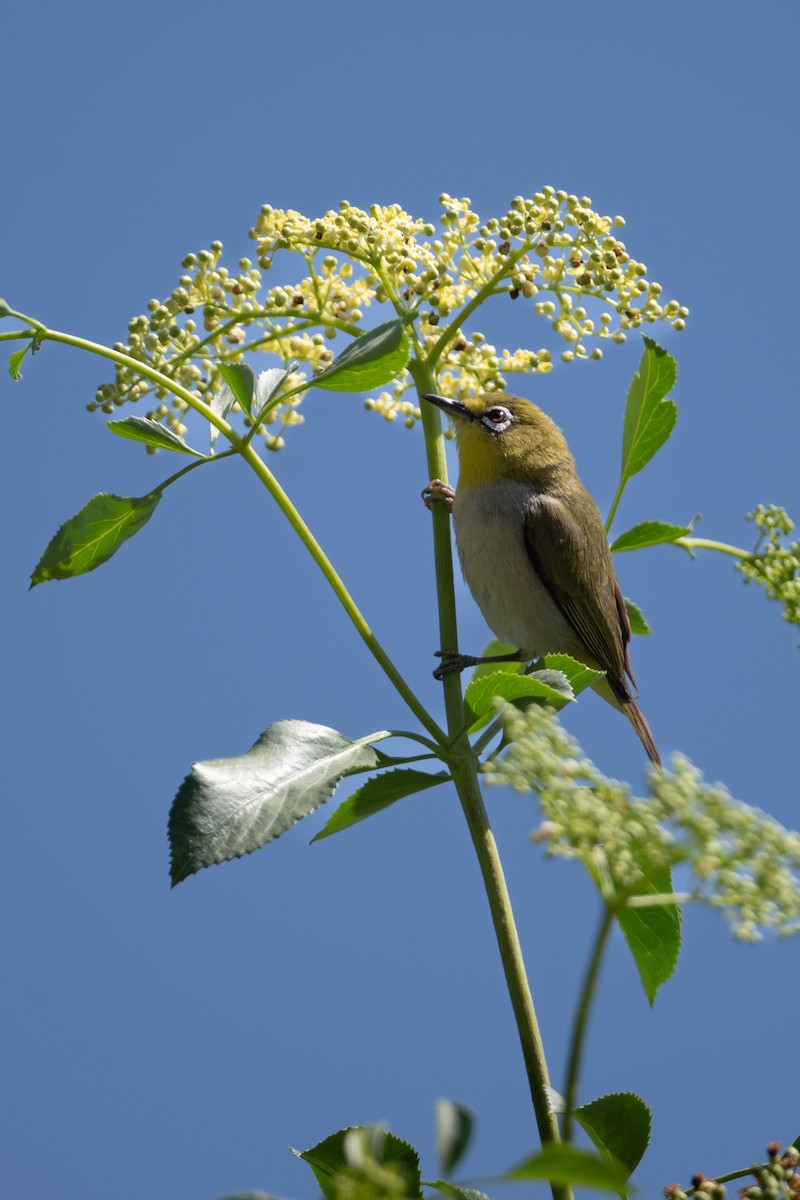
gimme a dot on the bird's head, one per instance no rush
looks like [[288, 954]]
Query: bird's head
[[504, 437]]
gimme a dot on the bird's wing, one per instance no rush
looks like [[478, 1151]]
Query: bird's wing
[[574, 563]]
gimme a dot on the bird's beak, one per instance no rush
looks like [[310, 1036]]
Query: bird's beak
[[453, 408]]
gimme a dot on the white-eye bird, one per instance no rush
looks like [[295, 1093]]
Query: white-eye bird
[[533, 548]]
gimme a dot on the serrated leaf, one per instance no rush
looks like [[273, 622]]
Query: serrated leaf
[[453, 1126], [452, 1189], [639, 623], [221, 404], [228, 807], [578, 675], [350, 1157], [653, 933], [152, 433], [648, 533], [544, 687], [565, 1164], [376, 794], [93, 535], [15, 362], [619, 1125], [369, 361], [649, 416], [241, 380]]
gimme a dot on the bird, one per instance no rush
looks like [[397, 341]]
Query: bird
[[533, 547]]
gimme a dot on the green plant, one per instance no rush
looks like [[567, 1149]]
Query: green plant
[[190, 353]]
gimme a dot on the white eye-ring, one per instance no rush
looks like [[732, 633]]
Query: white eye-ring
[[497, 419]]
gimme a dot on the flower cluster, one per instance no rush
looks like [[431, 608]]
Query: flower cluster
[[741, 860], [773, 564], [551, 250]]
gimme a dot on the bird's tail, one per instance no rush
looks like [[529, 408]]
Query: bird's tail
[[639, 723]]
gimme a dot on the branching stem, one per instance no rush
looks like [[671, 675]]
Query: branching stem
[[257, 465]]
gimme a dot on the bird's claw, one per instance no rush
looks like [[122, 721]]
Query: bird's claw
[[438, 492], [452, 662]]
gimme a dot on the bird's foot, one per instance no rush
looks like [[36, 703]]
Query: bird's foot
[[438, 492], [453, 662]]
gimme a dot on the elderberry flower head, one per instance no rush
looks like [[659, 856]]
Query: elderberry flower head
[[740, 860], [775, 562], [552, 251]]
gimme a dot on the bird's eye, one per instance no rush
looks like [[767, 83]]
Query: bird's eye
[[497, 418]]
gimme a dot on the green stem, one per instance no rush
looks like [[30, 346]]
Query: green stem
[[694, 543], [425, 381], [615, 503], [198, 462], [464, 769], [465, 777], [588, 992]]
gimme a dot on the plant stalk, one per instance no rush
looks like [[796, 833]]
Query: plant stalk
[[464, 769], [465, 777], [580, 1024]]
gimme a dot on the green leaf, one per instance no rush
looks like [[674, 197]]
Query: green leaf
[[369, 361], [453, 1128], [636, 617], [152, 433], [93, 535], [221, 404], [5, 308], [619, 1125], [228, 807], [565, 1164], [241, 380], [376, 794], [249, 1196], [15, 361], [648, 533], [367, 1155], [653, 932], [649, 416], [452, 1189], [578, 675], [545, 687], [268, 384]]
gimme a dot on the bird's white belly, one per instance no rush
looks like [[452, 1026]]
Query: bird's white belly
[[489, 528]]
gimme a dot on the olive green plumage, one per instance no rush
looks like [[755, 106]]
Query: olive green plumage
[[533, 547]]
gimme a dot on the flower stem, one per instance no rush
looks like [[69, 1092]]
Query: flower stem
[[588, 992], [694, 543]]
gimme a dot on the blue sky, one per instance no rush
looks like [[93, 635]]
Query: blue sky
[[174, 1044]]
